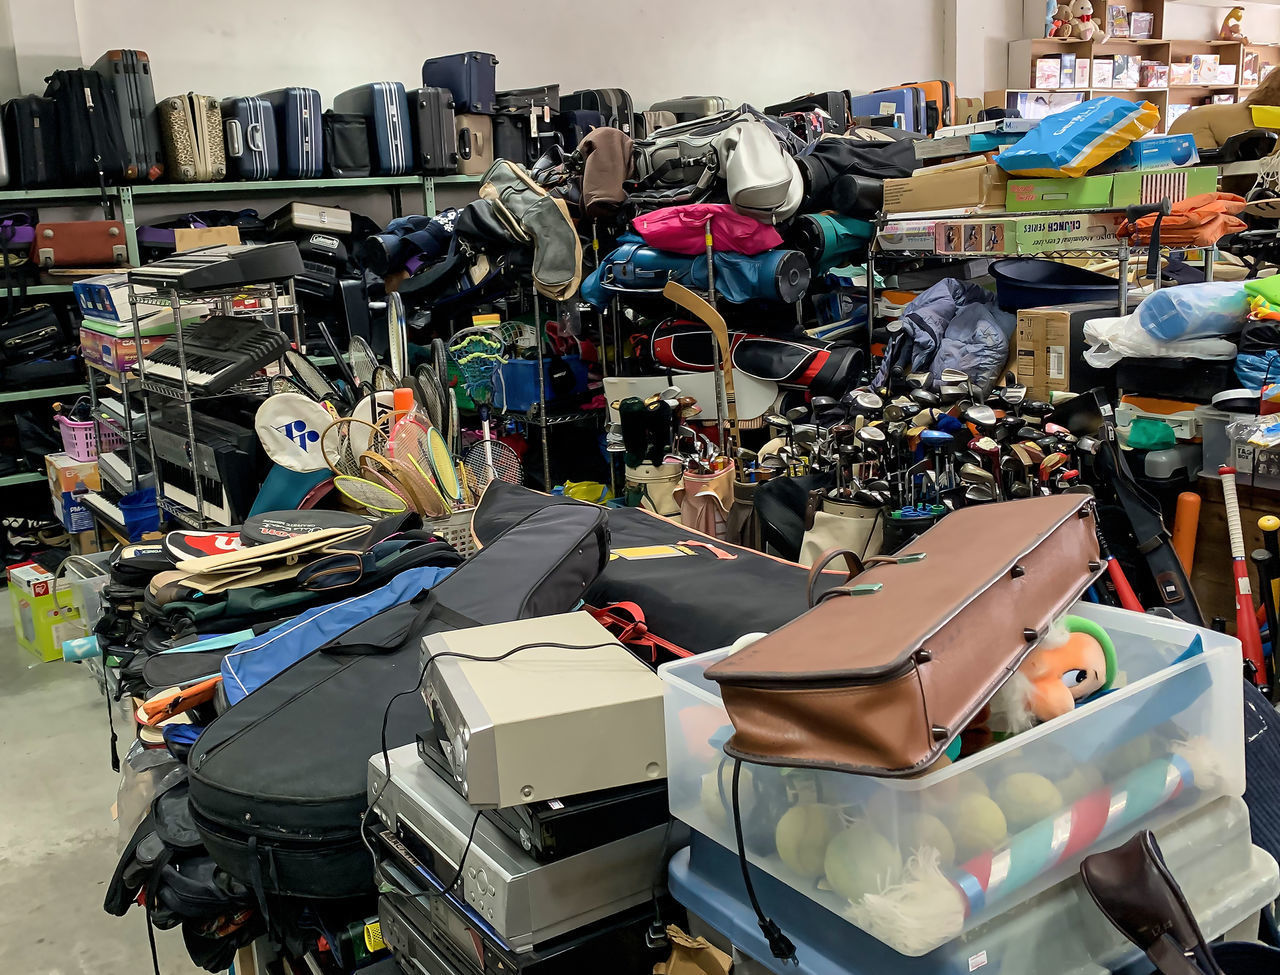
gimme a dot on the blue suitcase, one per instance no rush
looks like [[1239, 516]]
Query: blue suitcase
[[385, 107], [472, 77], [298, 130], [909, 103], [249, 133]]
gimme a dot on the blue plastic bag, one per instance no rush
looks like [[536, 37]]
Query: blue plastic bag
[[1195, 311], [1071, 143]]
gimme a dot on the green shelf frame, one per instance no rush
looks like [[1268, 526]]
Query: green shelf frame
[[275, 185], [28, 478], [40, 289], [73, 193], [20, 395]]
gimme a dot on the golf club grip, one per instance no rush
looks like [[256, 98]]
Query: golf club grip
[[1186, 524], [1124, 592], [1269, 525], [1232, 505]]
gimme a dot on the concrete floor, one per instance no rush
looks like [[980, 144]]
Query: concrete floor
[[58, 842]]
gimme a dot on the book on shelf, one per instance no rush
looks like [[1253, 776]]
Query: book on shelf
[[1126, 71], [1180, 73], [1082, 76], [1153, 74], [1249, 68], [1048, 73], [1141, 24], [1226, 74], [1103, 71], [1117, 20]]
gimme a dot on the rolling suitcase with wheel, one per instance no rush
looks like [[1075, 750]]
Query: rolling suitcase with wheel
[[574, 126], [470, 76], [940, 102], [967, 111], [834, 103], [613, 104], [31, 142], [129, 75], [906, 103], [386, 109], [434, 136], [193, 144], [249, 136], [528, 99], [689, 107], [298, 131], [475, 144], [90, 140]]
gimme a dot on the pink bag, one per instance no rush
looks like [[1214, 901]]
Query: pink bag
[[682, 230]]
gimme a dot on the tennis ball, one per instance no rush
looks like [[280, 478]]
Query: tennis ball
[[713, 786], [860, 861], [1026, 798], [1078, 783], [941, 796], [977, 824], [1126, 758], [921, 829], [803, 834]]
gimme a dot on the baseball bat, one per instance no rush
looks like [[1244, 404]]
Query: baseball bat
[[1264, 563], [1186, 523], [1246, 619]]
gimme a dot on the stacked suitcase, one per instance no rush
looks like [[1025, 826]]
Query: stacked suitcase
[[128, 74], [249, 134], [298, 128], [471, 78], [385, 109]]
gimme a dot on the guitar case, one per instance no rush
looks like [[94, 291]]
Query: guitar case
[[278, 782], [701, 595]]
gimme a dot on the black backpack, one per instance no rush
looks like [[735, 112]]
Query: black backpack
[[90, 136]]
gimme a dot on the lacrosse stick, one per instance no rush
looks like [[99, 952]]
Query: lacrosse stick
[[477, 352]]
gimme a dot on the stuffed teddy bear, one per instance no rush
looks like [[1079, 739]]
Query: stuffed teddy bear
[[1082, 22], [1062, 21]]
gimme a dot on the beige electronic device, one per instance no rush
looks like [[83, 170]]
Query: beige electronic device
[[547, 721]]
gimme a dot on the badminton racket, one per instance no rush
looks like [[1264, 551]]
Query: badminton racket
[[375, 497], [417, 488], [345, 439], [1246, 617], [415, 442]]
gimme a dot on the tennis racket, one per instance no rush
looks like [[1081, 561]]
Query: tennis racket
[[363, 361], [287, 384], [376, 498], [384, 380], [339, 360], [345, 439], [398, 336], [415, 442], [432, 397], [491, 460]]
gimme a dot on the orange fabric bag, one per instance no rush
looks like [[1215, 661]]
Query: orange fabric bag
[[1197, 220]]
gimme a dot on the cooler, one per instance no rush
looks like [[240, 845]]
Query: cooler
[[952, 849]]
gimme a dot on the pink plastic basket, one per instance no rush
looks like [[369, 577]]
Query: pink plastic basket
[[80, 440]]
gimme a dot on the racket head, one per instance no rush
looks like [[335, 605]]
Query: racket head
[[308, 375], [363, 361], [441, 461], [465, 485], [345, 439], [506, 464], [433, 397], [401, 478], [399, 339], [287, 384], [440, 361], [384, 380], [377, 498], [455, 426]]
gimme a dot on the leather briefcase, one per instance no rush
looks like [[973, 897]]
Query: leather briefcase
[[885, 671], [80, 243]]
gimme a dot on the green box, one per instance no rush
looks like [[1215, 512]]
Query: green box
[[1047, 195], [1152, 185]]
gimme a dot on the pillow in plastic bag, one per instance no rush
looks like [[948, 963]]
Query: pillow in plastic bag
[[1113, 339], [1072, 142], [1189, 311]]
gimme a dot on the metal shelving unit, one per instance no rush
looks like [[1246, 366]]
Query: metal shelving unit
[[28, 478]]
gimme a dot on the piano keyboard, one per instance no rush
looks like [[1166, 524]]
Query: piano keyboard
[[116, 473], [180, 486], [219, 353], [112, 410], [222, 266], [106, 509]]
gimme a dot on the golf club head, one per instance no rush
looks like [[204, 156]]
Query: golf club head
[[797, 414], [925, 398], [979, 494], [779, 421]]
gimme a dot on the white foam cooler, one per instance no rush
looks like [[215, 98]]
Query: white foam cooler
[[917, 862], [1227, 882]]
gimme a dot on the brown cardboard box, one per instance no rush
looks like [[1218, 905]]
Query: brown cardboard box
[[1048, 347], [970, 183]]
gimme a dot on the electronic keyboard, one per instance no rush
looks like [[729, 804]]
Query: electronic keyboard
[[220, 352], [225, 458], [222, 266], [104, 504]]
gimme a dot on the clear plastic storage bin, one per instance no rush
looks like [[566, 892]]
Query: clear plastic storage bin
[[916, 862]]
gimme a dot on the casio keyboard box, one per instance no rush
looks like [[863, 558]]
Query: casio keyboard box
[[524, 902], [552, 829], [278, 782], [298, 131], [385, 107], [249, 135], [546, 721]]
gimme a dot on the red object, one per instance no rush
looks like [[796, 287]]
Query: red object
[[1246, 617], [626, 622]]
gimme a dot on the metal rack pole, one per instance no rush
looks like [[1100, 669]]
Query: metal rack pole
[[156, 476], [543, 425], [871, 301], [176, 304]]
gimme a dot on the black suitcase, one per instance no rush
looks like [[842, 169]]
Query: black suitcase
[[614, 104], [31, 139], [89, 134], [471, 76], [346, 145], [526, 99], [386, 110], [834, 103], [434, 137], [515, 138], [278, 782], [129, 75], [298, 115], [573, 126]]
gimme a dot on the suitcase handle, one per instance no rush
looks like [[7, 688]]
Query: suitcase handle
[[234, 138], [254, 137], [464, 144]]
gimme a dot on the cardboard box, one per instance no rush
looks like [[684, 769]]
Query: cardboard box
[[1048, 347], [39, 624], [1026, 235], [189, 238], [1153, 152], [1153, 185], [68, 480], [115, 353], [969, 183], [1082, 192], [1180, 73], [907, 235]]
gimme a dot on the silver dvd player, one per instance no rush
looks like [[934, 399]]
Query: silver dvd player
[[523, 901]]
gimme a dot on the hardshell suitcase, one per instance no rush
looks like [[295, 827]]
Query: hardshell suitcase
[[909, 103], [873, 680], [90, 139], [129, 75], [471, 77], [689, 107], [80, 243], [967, 111], [249, 136], [434, 136], [386, 108], [346, 145], [278, 782], [192, 126], [31, 142], [614, 104], [475, 144], [527, 99], [656, 119], [574, 126], [834, 103], [518, 138], [298, 131], [309, 217], [940, 101]]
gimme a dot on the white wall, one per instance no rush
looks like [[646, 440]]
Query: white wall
[[1191, 20], [749, 50]]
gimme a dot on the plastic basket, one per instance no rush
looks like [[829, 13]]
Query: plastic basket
[[80, 438], [456, 530]]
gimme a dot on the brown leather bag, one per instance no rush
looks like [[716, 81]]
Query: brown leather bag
[[886, 670], [80, 243]]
